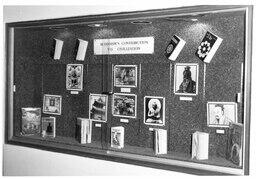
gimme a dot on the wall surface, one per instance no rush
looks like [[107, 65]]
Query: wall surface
[[26, 161]]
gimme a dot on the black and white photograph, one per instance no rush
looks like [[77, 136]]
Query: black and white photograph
[[154, 110], [31, 121], [124, 105], [186, 79], [221, 114], [48, 127], [125, 76], [52, 104], [74, 78], [98, 106]]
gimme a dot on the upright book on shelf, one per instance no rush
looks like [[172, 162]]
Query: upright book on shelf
[[84, 130], [31, 121], [200, 145], [48, 127], [174, 47], [160, 141], [117, 137], [208, 47], [235, 144]]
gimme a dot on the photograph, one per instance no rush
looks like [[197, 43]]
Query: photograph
[[48, 127], [221, 114], [74, 77], [125, 76], [98, 106], [52, 104], [154, 110], [31, 121], [124, 105], [186, 79]]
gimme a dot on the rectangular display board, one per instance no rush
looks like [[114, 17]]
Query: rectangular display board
[[126, 81]]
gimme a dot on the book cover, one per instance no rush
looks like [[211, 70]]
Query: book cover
[[48, 127], [117, 137], [208, 47], [84, 130], [174, 48], [160, 141], [200, 145], [31, 121], [235, 144]]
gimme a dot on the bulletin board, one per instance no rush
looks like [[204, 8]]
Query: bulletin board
[[32, 72]]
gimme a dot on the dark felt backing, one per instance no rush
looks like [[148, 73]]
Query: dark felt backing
[[36, 74]]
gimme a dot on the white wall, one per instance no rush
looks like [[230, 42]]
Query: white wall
[[26, 161]]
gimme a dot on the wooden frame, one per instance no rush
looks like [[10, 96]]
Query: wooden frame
[[176, 165]]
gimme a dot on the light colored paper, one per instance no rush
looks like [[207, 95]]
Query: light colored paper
[[200, 145], [81, 50], [58, 49]]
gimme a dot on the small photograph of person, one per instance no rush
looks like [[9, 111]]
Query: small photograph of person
[[221, 114], [186, 79]]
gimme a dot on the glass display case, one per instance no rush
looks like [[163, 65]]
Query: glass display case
[[165, 88]]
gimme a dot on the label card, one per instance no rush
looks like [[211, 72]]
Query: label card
[[125, 90], [220, 131], [74, 92], [186, 98], [124, 120], [151, 129], [97, 125]]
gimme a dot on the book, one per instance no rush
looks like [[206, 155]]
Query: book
[[174, 47], [48, 127], [200, 145], [84, 130], [117, 137], [160, 141], [208, 47], [235, 143], [31, 121]]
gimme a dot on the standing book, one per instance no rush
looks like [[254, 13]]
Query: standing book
[[208, 47], [48, 127], [84, 130], [31, 121], [174, 47], [160, 141], [200, 145], [117, 137]]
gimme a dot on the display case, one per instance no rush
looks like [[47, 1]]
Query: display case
[[166, 88]]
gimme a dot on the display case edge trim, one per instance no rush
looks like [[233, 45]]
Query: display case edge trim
[[247, 85]]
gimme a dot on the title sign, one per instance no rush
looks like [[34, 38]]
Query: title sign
[[138, 45]]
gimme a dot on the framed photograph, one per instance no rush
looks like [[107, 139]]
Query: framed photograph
[[125, 76], [221, 114], [186, 79], [154, 110], [98, 106], [52, 104], [74, 77], [124, 105], [48, 126]]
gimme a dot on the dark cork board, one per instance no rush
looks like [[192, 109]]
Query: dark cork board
[[36, 74]]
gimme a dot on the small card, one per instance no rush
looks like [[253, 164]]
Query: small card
[[124, 120], [220, 131], [125, 90], [74, 92], [97, 125], [151, 129], [182, 98]]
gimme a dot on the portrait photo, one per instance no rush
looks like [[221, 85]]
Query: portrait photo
[[125, 76], [221, 114], [74, 77], [186, 79], [124, 105], [52, 104], [98, 106], [154, 110]]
